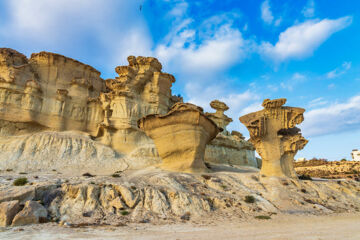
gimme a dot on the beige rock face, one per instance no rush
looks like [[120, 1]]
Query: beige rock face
[[33, 212], [228, 148], [275, 137], [8, 210], [50, 93], [180, 136]]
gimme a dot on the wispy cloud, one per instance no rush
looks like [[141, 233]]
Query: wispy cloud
[[266, 14], [300, 41], [339, 70], [333, 118], [296, 79], [317, 102], [64, 26], [309, 10]]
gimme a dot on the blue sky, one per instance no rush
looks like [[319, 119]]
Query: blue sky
[[240, 52]]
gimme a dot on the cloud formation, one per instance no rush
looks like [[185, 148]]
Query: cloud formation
[[266, 14], [301, 40], [334, 118], [309, 10], [339, 70]]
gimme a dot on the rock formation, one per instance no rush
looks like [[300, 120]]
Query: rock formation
[[275, 137], [180, 136], [58, 113], [52, 93], [228, 148]]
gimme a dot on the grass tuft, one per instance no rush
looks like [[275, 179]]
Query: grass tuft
[[249, 199], [20, 182], [263, 217]]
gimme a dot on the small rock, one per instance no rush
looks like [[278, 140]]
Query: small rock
[[33, 212], [8, 210], [186, 216]]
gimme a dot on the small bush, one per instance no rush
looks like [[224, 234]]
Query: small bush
[[262, 217], [22, 173], [133, 187], [249, 199], [124, 213], [88, 175], [9, 170], [305, 177], [206, 177], [303, 190], [115, 175], [20, 182]]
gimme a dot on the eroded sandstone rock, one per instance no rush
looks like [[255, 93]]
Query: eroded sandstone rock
[[50, 93], [275, 137], [228, 148], [8, 210], [33, 212], [180, 136]]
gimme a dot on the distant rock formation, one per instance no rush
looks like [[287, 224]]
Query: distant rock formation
[[228, 148], [50, 93], [181, 136], [275, 137]]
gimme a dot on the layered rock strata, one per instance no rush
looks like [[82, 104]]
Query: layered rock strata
[[180, 136], [58, 113], [275, 137], [226, 148]]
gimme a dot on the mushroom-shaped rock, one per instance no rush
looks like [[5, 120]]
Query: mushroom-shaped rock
[[219, 117], [275, 137], [180, 136]]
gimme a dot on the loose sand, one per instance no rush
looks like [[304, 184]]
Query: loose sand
[[288, 227]]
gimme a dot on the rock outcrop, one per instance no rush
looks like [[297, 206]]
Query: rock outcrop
[[33, 212], [50, 93], [275, 137], [8, 210], [58, 113], [181, 136], [226, 148]]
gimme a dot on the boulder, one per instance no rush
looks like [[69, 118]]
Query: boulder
[[32, 213], [8, 210]]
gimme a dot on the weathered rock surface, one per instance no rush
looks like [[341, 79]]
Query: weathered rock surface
[[58, 113], [228, 148], [158, 196], [52, 93], [8, 210], [275, 137], [329, 169], [33, 212], [181, 136]]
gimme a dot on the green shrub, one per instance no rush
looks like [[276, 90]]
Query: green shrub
[[249, 199], [262, 217], [20, 182], [115, 175], [305, 177], [124, 213]]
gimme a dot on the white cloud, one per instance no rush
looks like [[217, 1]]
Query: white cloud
[[116, 27], [300, 41], [266, 14], [331, 86], [339, 70], [317, 102], [334, 118], [239, 103], [296, 79], [309, 10]]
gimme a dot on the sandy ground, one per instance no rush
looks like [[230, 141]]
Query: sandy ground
[[330, 227]]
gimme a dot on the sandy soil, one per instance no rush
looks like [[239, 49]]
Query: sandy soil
[[330, 227]]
